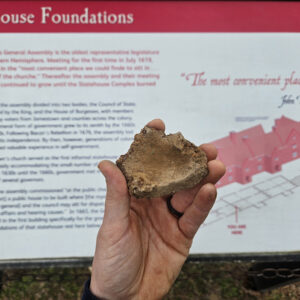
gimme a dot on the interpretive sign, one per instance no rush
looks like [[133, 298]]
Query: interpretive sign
[[77, 81]]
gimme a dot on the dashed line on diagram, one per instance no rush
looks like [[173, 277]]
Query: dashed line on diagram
[[255, 196]]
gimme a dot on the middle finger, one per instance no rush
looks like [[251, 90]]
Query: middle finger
[[182, 199]]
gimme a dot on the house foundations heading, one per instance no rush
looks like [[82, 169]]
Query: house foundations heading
[[47, 15]]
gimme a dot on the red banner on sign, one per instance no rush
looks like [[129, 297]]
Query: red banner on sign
[[149, 16]]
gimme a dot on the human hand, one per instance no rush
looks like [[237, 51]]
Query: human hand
[[141, 246]]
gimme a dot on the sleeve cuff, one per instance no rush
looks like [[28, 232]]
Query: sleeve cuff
[[87, 294]]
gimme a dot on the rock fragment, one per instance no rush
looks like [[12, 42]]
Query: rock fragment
[[158, 165]]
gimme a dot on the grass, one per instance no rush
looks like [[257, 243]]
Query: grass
[[197, 281]]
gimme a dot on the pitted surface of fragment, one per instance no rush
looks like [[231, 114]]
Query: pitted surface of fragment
[[158, 165]]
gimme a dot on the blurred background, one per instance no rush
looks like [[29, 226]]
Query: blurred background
[[197, 280]]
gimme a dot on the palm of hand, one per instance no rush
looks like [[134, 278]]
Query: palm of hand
[[147, 248], [141, 247]]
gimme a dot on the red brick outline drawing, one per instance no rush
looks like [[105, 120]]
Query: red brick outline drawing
[[253, 151]]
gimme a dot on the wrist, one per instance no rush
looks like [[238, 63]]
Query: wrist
[[90, 294], [108, 295], [95, 290]]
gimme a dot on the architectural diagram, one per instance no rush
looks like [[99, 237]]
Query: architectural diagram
[[253, 151], [255, 196]]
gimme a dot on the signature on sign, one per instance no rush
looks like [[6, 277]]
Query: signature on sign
[[289, 99]]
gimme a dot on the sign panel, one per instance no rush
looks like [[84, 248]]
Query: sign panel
[[78, 81]]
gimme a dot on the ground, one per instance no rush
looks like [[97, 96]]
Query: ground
[[197, 281]]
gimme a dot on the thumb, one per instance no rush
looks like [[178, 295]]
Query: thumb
[[117, 197]]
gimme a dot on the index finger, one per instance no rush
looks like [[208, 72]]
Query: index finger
[[157, 124], [210, 151]]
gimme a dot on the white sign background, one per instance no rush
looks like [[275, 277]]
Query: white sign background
[[201, 113]]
